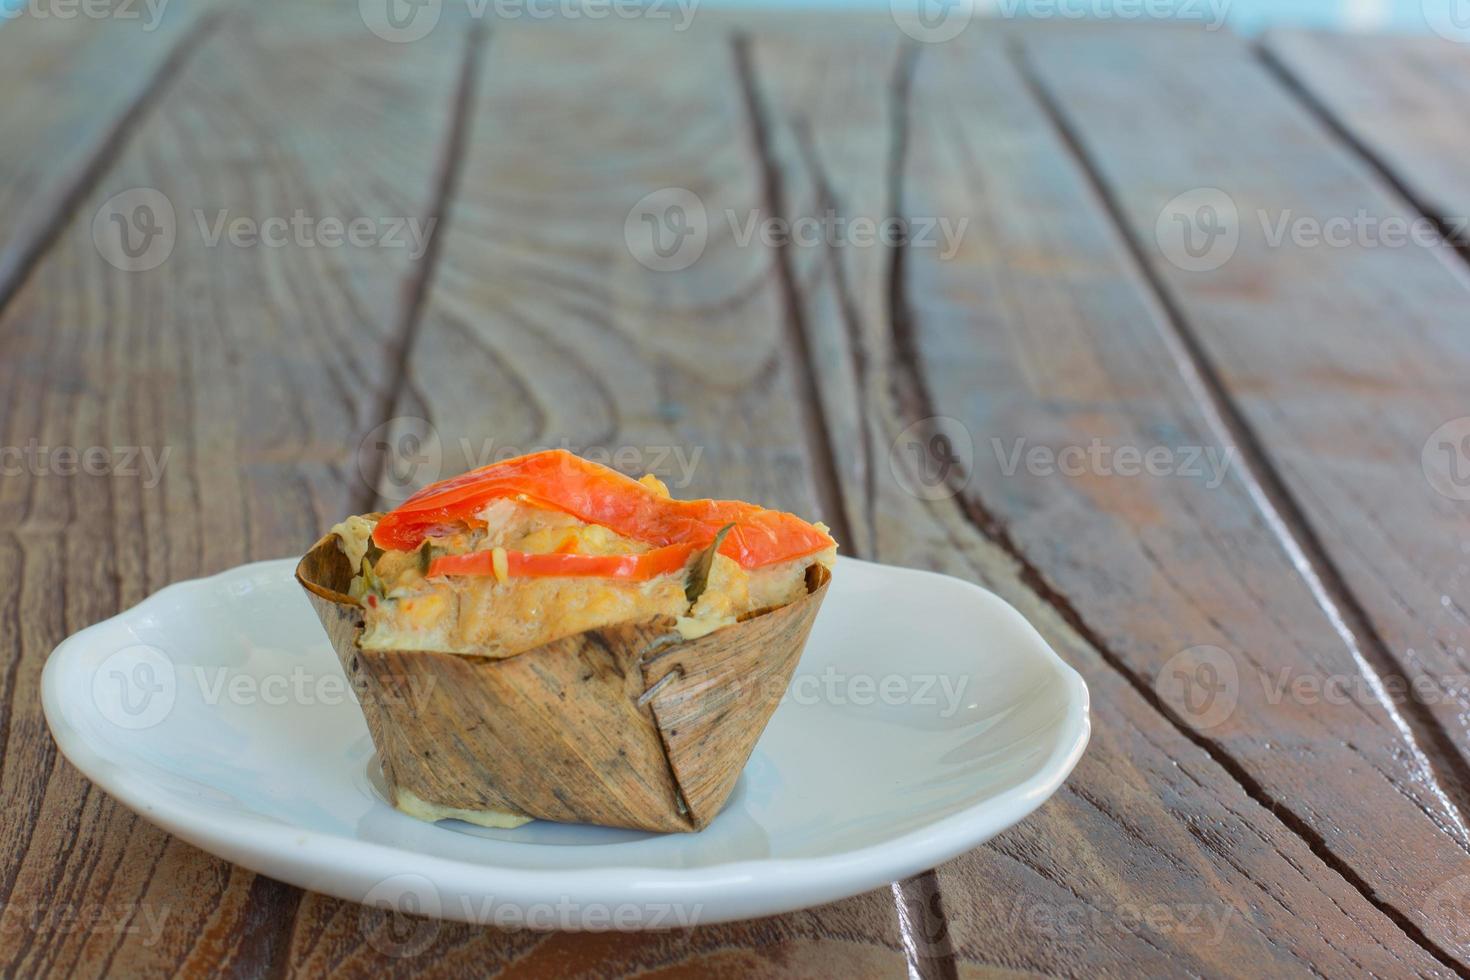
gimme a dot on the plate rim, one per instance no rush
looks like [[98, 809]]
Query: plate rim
[[318, 860]]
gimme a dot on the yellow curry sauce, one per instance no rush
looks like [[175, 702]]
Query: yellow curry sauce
[[499, 616]]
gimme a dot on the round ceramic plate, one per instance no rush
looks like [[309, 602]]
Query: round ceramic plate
[[926, 715]]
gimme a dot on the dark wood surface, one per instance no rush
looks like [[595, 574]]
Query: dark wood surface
[[1290, 529]]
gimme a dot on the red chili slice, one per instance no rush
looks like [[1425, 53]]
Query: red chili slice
[[595, 494]]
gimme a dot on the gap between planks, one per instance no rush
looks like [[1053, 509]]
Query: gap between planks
[[919, 910], [16, 269], [1288, 525], [73, 188], [1452, 238], [446, 187], [1357, 620], [281, 935], [923, 926], [794, 336], [918, 900], [272, 929], [914, 898]]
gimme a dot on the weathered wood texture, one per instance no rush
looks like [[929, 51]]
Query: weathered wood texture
[[1400, 99], [1339, 359], [73, 85], [215, 358], [1039, 327], [542, 326], [1296, 833]]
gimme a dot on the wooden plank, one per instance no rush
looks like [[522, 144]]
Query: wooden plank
[[551, 321], [1339, 359], [1036, 326], [256, 371], [1071, 352], [96, 70], [1401, 98]]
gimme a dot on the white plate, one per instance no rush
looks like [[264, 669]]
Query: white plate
[[926, 716]]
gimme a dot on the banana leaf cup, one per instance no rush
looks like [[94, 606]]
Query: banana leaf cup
[[628, 725]]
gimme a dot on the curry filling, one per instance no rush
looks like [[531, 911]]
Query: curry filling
[[509, 581]]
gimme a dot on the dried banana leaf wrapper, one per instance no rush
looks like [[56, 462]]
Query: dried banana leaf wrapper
[[626, 726]]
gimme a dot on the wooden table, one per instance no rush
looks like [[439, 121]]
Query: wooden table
[[1218, 462]]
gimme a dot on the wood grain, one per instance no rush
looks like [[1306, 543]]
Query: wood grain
[[214, 358], [97, 71], [1335, 361], [87, 78], [1036, 326], [1291, 837], [1401, 99], [542, 327]]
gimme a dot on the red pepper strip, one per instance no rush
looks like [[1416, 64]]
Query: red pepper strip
[[521, 564], [598, 495]]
